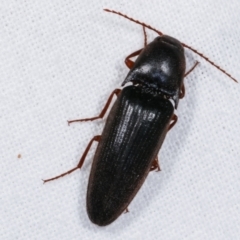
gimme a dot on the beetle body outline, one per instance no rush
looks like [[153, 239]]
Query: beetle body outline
[[157, 77]]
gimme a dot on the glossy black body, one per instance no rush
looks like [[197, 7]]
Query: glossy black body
[[135, 129], [133, 134]]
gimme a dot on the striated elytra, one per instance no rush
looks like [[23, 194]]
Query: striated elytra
[[133, 134]]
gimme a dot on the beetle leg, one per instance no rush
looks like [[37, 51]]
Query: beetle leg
[[116, 91], [145, 36], [182, 92], [129, 62], [155, 165], [95, 138], [191, 69], [174, 119], [126, 210]]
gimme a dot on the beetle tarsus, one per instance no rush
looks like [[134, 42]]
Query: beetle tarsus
[[126, 211], [101, 115], [95, 138], [155, 165], [174, 119], [191, 69], [61, 175]]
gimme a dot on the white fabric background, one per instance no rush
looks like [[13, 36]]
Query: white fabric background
[[60, 60]]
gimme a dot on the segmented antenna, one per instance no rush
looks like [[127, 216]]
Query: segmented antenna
[[134, 20], [208, 60], [184, 45]]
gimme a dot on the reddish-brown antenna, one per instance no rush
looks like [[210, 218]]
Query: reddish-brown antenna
[[185, 45]]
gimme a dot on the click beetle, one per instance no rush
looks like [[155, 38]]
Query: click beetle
[[136, 125]]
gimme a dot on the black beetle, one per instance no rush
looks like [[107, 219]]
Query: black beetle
[[136, 126]]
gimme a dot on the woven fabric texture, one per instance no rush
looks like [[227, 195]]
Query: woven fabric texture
[[60, 60]]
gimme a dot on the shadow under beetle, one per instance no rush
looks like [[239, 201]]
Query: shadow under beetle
[[136, 125]]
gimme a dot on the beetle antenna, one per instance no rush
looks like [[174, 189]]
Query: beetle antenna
[[134, 20], [208, 60], [184, 45]]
